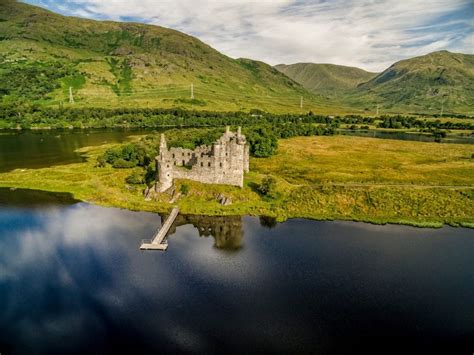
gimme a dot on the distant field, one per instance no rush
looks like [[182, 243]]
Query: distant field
[[344, 159]]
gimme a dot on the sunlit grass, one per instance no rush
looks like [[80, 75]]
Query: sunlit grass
[[346, 178]]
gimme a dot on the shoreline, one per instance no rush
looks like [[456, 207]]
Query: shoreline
[[165, 209], [299, 196]]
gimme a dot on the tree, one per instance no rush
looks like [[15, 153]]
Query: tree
[[262, 143]]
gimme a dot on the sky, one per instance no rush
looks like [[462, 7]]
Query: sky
[[370, 34]]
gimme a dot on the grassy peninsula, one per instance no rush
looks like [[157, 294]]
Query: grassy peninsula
[[323, 177]]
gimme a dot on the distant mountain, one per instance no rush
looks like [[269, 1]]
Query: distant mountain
[[430, 83], [439, 81], [45, 56], [324, 78], [112, 64]]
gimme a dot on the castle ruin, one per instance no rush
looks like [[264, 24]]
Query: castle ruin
[[224, 162]]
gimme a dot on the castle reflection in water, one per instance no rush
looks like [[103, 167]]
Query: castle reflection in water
[[227, 231]]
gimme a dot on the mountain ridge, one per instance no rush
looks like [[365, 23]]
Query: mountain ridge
[[325, 76], [430, 83], [127, 64], [44, 56]]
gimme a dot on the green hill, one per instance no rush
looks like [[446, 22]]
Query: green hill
[[115, 64], [430, 83], [439, 81], [44, 56], [325, 78]]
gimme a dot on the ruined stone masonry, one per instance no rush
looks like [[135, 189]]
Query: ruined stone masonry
[[224, 162]]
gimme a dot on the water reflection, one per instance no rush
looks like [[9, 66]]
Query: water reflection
[[268, 222], [72, 280], [43, 148], [226, 230], [23, 198]]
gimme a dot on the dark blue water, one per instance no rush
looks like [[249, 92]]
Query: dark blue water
[[72, 280]]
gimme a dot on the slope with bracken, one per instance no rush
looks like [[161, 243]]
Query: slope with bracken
[[325, 78], [434, 83], [115, 64]]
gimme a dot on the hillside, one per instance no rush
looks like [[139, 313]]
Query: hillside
[[44, 55], [430, 83], [115, 64], [433, 83], [325, 78]]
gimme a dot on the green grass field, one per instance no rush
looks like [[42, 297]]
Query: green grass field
[[339, 177], [344, 159]]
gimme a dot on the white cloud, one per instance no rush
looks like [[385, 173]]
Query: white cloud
[[370, 33]]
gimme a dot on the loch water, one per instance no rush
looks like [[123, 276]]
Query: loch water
[[73, 280]]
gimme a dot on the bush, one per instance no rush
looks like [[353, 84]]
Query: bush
[[123, 164], [111, 155], [150, 175], [135, 155], [184, 189], [135, 178], [101, 162], [268, 187]]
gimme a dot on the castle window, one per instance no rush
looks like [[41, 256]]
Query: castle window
[[189, 154], [202, 155], [183, 154], [167, 165], [209, 164], [175, 163], [202, 164], [220, 164], [173, 155], [184, 162]]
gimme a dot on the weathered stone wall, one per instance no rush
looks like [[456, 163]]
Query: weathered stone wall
[[222, 163]]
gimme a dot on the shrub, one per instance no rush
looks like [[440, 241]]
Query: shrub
[[135, 178], [111, 155], [268, 187], [101, 162], [184, 189], [150, 175], [123, 164]]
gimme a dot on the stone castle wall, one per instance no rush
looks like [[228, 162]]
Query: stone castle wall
[[224, 162]]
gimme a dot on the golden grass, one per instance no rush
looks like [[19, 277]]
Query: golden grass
[[345, 159]]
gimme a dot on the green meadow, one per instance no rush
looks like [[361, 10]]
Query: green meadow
[[324, 177]]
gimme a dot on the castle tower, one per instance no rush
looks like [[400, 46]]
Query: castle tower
[[163, 167], [163, 145]]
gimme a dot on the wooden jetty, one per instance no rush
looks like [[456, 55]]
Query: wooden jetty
[[157, 242]]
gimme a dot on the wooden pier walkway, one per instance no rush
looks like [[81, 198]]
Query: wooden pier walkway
[[157, 242]]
